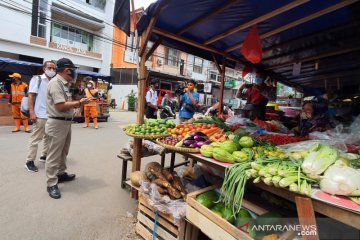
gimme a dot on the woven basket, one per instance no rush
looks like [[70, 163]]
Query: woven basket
[[146, 136], [178, 149]]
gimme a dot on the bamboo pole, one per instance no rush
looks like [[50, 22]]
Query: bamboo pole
[[222, 82]]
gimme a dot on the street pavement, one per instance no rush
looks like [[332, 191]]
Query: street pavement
[[93, 206]]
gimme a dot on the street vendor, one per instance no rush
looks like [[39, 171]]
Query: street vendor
[[313, 117], [187, 101], [255, 96]]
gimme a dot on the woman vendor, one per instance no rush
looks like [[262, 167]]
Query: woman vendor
[[313, 117]]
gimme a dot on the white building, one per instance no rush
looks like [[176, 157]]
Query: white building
[[39, 30]]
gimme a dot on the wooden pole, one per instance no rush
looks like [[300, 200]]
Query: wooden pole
[[136, 160], [222, 82]]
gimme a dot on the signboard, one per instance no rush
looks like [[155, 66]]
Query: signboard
[[207, 87]]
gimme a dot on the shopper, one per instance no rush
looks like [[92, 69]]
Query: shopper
[[60, 111], [188, 101], [18, 90], [90, 108], [151, 103], [37, 110]]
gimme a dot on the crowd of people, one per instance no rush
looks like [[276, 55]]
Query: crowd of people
[[51, 110]]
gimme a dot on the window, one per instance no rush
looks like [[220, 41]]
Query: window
[[198, 65], [213, 76], [97, 3], [71, 37], [172, 57], [130, 42], [41, 28]]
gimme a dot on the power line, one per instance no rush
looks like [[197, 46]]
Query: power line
[[104, 39]]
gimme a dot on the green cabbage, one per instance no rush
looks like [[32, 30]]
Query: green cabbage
[[246, 142], [223, 155], [207, 150], [229, 146], [320, 157]]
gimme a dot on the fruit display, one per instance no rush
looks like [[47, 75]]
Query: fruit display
[[195, 140], [186, 129], [150, 127]]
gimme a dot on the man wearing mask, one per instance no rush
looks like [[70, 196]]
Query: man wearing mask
[[37, 110], [18, 90], [151, 103], [188, 101], [90, 108], [60, 111]]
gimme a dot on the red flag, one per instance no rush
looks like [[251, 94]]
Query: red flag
[[251, 49]]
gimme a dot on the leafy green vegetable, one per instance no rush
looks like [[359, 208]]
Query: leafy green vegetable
[[319, 159], [246, 142]]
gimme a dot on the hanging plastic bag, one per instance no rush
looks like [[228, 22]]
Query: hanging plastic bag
[[251, 49]]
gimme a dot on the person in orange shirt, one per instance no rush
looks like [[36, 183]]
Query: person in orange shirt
[[90, 108], [18, 90]]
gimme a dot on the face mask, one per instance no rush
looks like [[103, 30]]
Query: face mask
[[73, 74], [50, 73], [89, 85]]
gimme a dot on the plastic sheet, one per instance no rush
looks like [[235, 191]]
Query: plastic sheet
[[163, 203], [148, 148], [237, 120]]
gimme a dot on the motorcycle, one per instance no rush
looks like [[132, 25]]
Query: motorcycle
[[168, 111]]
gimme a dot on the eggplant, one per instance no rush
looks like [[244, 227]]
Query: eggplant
[[200, 139], [188, 142], [207, 142], [194, 145], [199, 134], [199, 144], [189, 138]]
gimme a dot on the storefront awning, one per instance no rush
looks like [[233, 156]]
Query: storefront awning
[[22, 67]]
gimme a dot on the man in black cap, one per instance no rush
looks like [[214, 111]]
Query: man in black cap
[[60, 111]]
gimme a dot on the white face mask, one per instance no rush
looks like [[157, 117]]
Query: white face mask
[[89, 85], [50, 73]]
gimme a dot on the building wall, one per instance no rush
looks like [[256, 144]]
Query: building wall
[[15, 35]]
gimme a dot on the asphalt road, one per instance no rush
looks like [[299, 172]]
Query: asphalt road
[[91, 207]]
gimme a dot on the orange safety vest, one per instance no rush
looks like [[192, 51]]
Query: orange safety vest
[[18, 92], [90, 94]]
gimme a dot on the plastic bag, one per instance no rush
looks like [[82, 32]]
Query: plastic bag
[[163, 203], [251, 49], [237, 120], [148, 148]]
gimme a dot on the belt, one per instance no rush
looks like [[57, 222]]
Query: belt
[[62, 118]]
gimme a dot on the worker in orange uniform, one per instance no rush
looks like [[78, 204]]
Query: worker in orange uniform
[[90, 108], [18, 90]]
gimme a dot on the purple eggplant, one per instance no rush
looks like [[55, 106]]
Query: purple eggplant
[[189, 138], [188, 142], [200, 139], [207, 142], [194, 145], [200, 134], [199, 144]]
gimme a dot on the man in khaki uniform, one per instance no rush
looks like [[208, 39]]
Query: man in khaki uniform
[[60, 111]]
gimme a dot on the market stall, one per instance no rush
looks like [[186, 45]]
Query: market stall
[[292, 33]]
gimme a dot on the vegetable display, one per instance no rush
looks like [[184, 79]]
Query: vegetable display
[[150, 127], [281, 139]]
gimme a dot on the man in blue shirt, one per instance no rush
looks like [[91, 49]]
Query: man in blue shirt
[[188, 101]]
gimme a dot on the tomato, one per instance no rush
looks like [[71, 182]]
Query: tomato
[[180, 126]]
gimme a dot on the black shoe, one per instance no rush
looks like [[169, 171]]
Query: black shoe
[[42, 159], [30, 166], [54, 191], [65, 177]]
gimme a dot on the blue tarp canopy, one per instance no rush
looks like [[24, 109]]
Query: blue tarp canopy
[[22, 67], [92, 74], [322, 35]]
